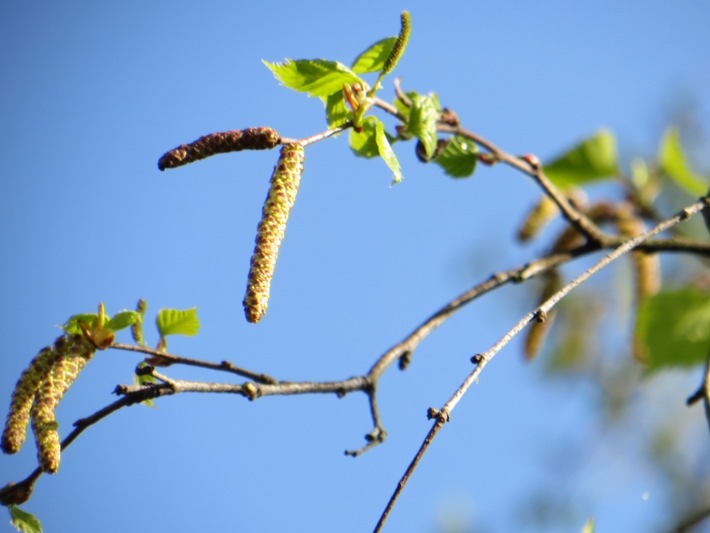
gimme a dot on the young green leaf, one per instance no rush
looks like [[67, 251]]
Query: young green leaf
[[459, 158], [592, 159], [674, 164], [317, 77], [386, 152], [336, 112], [71, 326], [674, 326], [423, 114], [24, 521], [364, 143], [123, 320], [177, 322], [373, 59]]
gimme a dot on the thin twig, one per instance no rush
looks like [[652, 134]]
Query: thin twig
[[482, 359]]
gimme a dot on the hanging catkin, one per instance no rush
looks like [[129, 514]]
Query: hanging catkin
[[73, 354], [15, 430], [270, 232], [219, 143]]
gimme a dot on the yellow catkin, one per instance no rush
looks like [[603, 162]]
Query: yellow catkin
[[538, 217], [18, 417], [219, 143], [270, 232], [73, 355]]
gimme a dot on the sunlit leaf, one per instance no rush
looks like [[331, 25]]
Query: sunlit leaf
[[386, 152], [24, 521], [336, 112], [364, 143], [459, 158], [177, 322], [674, 164], [423, 114], [317, 77], [373, 59], [674, 327], [123, 320], [72, 327], [594, 158]]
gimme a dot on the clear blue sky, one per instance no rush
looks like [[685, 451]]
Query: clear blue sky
[[94, 92]]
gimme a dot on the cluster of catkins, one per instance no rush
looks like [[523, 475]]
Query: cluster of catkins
[[279, 200], [38, 393]]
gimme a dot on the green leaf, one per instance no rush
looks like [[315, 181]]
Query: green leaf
[[364, 143], [24, 521], [373, 59], [386, 152], [673, 163], [674, 326], [72, 327], [123, 320], [177, 322], [422, 121], [317, 77], [459, 158], [592, 159], [336, 112]]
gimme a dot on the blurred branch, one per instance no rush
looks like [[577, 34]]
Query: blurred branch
[[443, 415]]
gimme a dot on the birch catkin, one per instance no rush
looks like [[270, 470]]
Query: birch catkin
[[13, 435], [73, 354], [270, 232], [219, 143]]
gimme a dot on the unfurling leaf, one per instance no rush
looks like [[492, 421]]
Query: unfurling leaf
[[219, 143], [24, 521], [675, 328], [674, 164], [177, 322], [592, 159], [423, 114], [272, 227], [459, 158], [123, 320], [386, 152]]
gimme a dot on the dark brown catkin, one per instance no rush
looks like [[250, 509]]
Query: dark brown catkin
[[18, 417], [219, 143], [270, 232], [73, 355]]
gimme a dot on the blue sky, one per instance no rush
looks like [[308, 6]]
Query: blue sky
[[94, 93]]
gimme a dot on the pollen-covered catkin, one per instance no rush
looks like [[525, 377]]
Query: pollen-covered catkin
[[270, 232], [219, 143], [73, 355], [13, 435]]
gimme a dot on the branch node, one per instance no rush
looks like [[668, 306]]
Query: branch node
[[477, 359], [540, 315], [251, 391], [405, 359]]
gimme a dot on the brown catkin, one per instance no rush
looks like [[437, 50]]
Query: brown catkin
[[270, 232], [219, 143], [15, 430], [73, 355]]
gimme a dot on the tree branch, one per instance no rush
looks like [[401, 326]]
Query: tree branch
[[482, 359]]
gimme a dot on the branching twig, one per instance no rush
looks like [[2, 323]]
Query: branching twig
[[482, 359]]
